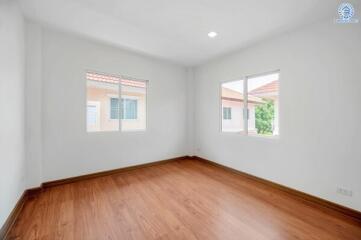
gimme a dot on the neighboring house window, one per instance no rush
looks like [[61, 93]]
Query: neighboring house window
[[103, 92], [227, 113], [129, 108], [255, 105], [114, 108]]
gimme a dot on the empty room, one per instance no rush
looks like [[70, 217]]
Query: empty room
[[202, 119]]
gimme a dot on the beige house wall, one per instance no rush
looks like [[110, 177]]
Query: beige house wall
[[102, 97], [235, 124]]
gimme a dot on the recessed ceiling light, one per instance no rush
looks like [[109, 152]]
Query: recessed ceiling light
[[212, 34]]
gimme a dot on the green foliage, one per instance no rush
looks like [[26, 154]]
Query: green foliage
[[264, 117]]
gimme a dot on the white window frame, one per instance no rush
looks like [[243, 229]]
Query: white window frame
[[119, 96], [244, 132]]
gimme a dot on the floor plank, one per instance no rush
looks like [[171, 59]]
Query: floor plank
[[185, 199]]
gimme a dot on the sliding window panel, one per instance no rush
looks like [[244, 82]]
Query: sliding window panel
[[102, 110], [262, 103], [133, 105], [232, 105]]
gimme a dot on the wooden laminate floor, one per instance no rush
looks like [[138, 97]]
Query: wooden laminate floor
[[185, 199]]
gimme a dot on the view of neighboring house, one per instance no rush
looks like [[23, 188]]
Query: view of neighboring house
[[268, 92], [104, 108], [233, 105]]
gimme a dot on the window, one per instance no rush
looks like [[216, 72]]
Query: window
[[114, 108], [105, 113], [129, 108], [254, 102], [232, 98], [227, 113], [133, 105], [99, 88]]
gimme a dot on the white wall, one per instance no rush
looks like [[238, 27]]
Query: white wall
[[33, 104], [320, 114], [12, 144], [67, 149], [190, 111]]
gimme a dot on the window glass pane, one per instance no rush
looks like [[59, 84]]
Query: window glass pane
[[227, 113], [263, 102], [129, 108], [133, 105], [232, 105], [102, 109], [114, 108]]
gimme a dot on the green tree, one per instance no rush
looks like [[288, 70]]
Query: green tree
[[264, 117]]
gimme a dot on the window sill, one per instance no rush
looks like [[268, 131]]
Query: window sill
[[271, 137]]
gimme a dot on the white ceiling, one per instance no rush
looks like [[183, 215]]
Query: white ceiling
[[177, 29]]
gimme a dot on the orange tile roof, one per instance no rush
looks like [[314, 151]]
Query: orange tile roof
[[114, 80], [268, 88], [231, 95]]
